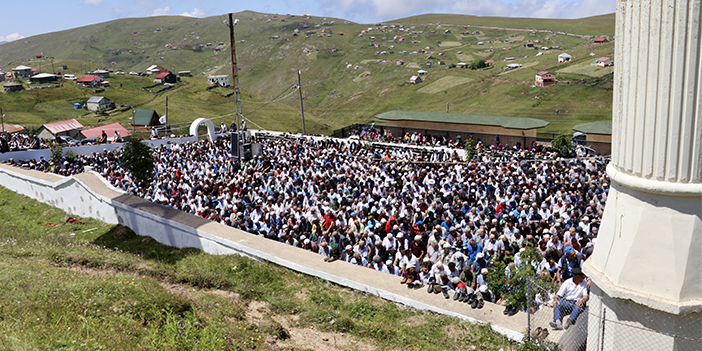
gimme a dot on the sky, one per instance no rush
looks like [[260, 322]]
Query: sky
[[44, 16]]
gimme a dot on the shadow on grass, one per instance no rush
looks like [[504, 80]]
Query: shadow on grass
[[124, 239]]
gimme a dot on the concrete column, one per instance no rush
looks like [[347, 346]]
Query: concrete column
[[648, 257]]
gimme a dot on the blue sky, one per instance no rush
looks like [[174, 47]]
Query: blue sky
[[45, 16]]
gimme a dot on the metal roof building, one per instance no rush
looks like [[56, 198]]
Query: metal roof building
[[109, 129], [69, 127], [482, 127]]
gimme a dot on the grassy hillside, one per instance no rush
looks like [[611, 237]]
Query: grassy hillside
[[349, 74]]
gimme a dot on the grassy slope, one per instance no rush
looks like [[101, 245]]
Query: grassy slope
[[334, 94], [93, 286]]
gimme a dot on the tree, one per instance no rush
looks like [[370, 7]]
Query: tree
[[56, 155], [563, 144], [469, 149], [478, 64], [137, 159], [511, 281]]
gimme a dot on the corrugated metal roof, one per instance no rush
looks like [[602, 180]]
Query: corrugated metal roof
[[162, 75], [143, 117], [109, 130], [21, 68], [455, 118], [96, 99], [599, 127], [11, 128], [63, 126], [87, 79], [43, 75]]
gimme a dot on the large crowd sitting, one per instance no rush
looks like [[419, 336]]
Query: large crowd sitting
[[427, 217], [374, 134], [20, 141]]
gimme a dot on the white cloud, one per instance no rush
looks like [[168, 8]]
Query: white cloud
[[11, 37], [196, 12], [92, 2], [161, 11], [390, 9]]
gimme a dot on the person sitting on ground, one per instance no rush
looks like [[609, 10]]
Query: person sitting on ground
[[571, 259], [413, 279], [570, 298], [391, 268], [481, 290]]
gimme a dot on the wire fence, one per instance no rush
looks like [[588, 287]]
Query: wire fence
[[617, 325]]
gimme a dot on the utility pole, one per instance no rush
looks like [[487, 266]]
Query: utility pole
[[447, 107], [2, 115], [235, 72], [166, 109], [302, 107]]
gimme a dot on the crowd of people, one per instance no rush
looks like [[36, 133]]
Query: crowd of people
[[19, 141], [428, 217]]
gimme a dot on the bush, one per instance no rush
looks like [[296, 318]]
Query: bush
[[563, 145]]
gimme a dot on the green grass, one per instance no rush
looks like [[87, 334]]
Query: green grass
[[334, 96], [586, 69], [444, 83], [93, 286]]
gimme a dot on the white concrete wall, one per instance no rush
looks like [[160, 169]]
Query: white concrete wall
[[68, 194]]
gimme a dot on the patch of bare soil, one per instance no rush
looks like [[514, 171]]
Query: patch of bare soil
[[498, 82], [311, 338], [296, 336]]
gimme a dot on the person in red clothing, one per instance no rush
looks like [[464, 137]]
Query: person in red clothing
[[329, 219]]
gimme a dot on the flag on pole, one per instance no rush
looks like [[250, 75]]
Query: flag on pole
[[162, 120]]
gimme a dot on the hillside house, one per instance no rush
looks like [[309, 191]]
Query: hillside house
[[69, 127], [600, 40], [544, 79], [144, 118], [604, 62], [512, 66], [166, 77], [97, 102], [489, 62], [110, 129], [89, 81], [221, 80], [421, 71], [415, 79], [155, 69], [530, 44], [184, 74], [22, 71], [42, 78], [10, 86], [101, 73], [564, 57], [2, 75]]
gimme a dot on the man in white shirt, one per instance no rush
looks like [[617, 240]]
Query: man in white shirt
[[571, 297]]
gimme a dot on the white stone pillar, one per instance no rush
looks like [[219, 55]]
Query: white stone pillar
[[648, 257]]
